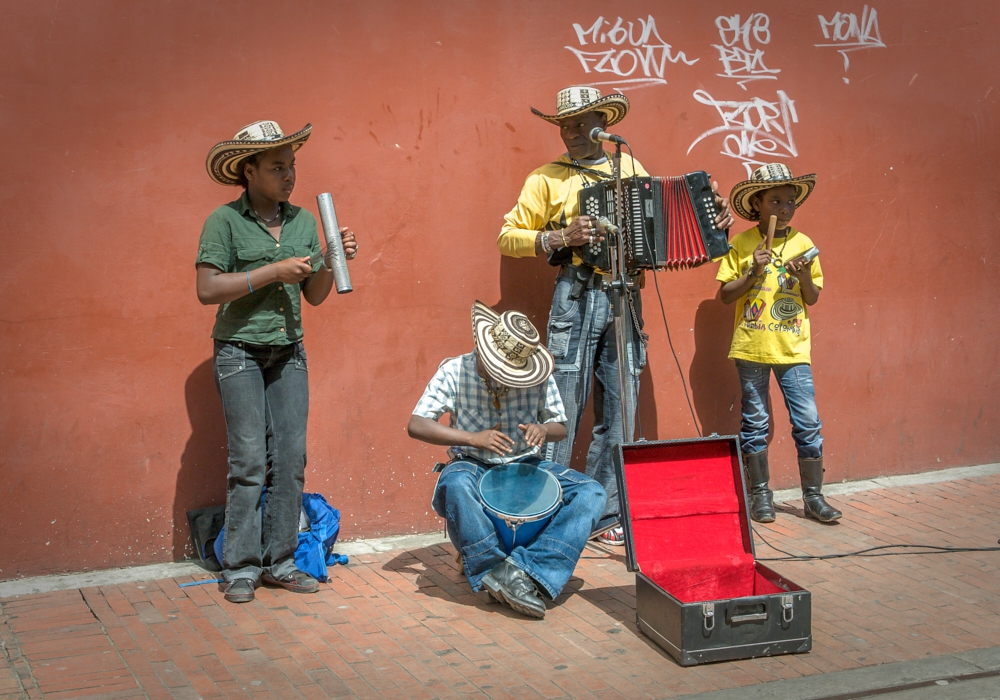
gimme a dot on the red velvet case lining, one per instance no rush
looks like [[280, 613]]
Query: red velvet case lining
[[688, 524]]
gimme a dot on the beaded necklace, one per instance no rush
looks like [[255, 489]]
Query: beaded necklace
[[497, 395]]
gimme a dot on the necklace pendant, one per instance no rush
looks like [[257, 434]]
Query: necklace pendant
[[496, 403]]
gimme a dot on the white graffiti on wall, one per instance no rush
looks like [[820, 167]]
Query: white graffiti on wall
[[756, 131], [847, 34], [744, 63], [636, 53]]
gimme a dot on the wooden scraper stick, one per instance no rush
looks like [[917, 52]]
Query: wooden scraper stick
[[771, 223]]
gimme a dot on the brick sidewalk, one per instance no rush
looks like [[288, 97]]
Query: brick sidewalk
[[405, 625]]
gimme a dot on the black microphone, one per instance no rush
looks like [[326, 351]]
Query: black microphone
[[597, 134]]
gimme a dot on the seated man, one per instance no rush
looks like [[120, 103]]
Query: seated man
[[503, 406]]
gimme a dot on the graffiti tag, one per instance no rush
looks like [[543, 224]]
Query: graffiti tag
[[846, 33], [635, 52], [753, 129], [744, 63]]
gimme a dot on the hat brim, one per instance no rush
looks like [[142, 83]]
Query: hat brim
[[536, 370], [615, 106], [739, 199], [224, 160]]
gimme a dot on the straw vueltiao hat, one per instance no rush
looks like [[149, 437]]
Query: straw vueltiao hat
[[579, 99], [764, 178], [510, 347], [226, 159]]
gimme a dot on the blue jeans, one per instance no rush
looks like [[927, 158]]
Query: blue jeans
[[796, 382], [551, 557], [581, 338], [265, 398]]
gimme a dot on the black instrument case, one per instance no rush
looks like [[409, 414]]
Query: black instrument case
[[700, 593]]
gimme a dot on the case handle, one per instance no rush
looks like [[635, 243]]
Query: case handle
[[749, 617], [746, 611]]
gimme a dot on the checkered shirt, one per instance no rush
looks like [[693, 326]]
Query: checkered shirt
[[458, 390]]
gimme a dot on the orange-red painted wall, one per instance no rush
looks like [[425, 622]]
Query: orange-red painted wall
[[111, 427]]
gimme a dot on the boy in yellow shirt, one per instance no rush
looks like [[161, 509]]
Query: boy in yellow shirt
[[773, 291]]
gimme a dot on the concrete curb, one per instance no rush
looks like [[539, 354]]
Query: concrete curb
[[870, 679], [890, 482], [153, 572], [104, 577]]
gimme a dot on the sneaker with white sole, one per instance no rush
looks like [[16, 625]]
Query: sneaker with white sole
[[614, 537]]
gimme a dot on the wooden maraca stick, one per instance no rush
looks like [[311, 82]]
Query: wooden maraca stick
[[771, 223]]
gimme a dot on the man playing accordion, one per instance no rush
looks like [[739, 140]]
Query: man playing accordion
[[581, 334]]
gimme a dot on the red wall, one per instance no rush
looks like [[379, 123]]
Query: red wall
[[111, 426]]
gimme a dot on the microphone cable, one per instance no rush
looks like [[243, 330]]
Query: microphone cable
[[666, 326], [929, 549]]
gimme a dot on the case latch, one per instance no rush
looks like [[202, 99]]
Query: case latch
[[787, 613], [708, 611]]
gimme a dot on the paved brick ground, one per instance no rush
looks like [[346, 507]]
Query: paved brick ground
[[404, 624]]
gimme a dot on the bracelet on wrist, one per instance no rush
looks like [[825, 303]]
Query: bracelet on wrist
[[544, 241]]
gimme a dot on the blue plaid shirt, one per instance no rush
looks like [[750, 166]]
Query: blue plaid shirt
[[458, 390]]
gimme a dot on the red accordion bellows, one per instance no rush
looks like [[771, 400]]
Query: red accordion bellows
[[685, 247]]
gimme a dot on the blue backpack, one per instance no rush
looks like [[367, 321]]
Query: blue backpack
[[315, 550]]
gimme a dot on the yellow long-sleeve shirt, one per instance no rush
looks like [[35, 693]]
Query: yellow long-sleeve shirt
[[549, 200]]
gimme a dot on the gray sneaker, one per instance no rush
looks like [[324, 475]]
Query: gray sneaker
[[296, 581], [239, 590]]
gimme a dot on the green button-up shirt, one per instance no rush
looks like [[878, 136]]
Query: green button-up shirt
[[235, 240]]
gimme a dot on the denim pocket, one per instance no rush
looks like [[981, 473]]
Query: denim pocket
[[640, 358], [230, 359], [300, 357], [558, 337]]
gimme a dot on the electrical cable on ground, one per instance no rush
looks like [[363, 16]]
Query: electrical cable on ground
[[932, 549]]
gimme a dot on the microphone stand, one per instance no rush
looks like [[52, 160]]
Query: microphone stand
[[620, 290]]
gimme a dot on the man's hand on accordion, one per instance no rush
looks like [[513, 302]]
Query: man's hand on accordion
[[724, 219], [582, 230]]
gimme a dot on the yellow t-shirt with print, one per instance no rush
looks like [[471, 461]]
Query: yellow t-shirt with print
[[550, 200], [772, 322]]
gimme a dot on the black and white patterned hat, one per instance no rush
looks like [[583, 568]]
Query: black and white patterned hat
[[510, 347], [578, 99], [225, 159], [764, 178]]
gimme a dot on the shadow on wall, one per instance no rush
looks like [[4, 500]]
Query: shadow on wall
[[526, 285], [715, 386], [201, 480], [646, 426]]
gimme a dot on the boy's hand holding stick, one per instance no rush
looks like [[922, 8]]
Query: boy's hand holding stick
[[762, 255]]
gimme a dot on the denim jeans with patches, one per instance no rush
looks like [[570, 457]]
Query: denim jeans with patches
[[581, 338], [796, 383], [551, 557], [265, 399]]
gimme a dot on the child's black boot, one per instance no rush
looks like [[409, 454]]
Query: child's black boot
[[811, 476], [761, 505]]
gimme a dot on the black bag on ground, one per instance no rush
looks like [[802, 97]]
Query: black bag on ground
[[205, 526]]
